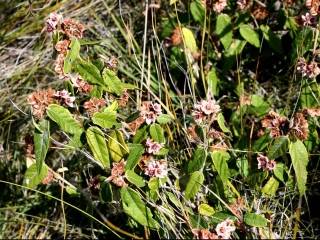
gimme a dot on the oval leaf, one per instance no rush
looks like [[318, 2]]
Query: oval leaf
[[32, 178], [134, 178], [189, 40], [98, 146], [299, 158], [89, 72], [255, 220], [271, 187], [278, 148], [41, 143], [224, 30], [156, 133], [105, 119], [205, 210], [136, 208], [220, 159], [135, 153], [194, 184], [72, 55], [198, 160], [248, 33]]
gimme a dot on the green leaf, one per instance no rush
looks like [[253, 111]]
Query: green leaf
[[140, 135], [164, 119], [64, 119], [112, 82], [218, 217], [136, 208], [134, 178], [197, 11], [205, 210], [41, 143], [255, 220], [89, 72], [117, 147], [310, 93], [198, 160], [220, 159], [273, 40], [221, 123], [189, 40], [278, 148], [299, 158], [135, 153], [106, 193], [72, 191], [249, 34], [213, 82], [156, 133], [105, 119], [243, 166], [279, 171], [224, 30], [258, 106], [98, 146], [194, 184], [72, 55], [271, 187], [32, 178]]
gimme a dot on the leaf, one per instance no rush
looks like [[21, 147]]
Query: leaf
[[189, 40], [117, 146], [255, 220], [197, 11], [134, 178], [310, 93], [271, 187], [72, 191], [72, 55], [221, 123], [89, 72], [198, 160], [299, 158], [98, 146], [220, 159], [213, 82], [258, 106], [249, 34], [279, 171], [205, 210], [136, 208], [106, 192], [218, 217], [105, 119], [224, 30], [140, 135], [32, 178], [278, 148], [135, 153], [64, 119], [112, 82], [243, 166], [156, 133], [273, 40], [164, 119], [194, 184], [41, 143]]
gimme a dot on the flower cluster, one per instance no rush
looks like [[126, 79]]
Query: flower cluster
[[309, 70], [313, 112], [313, 7], [222, 231], [265, 163], [117, 172], [281, 126], [65, 98], [176, 37], [40, 100], [219, 5], [149, 111], [156, 168], [243, 4], [205, 109], [307, 20], [94, 105], [225, 229], [153, 147], [53, 21]]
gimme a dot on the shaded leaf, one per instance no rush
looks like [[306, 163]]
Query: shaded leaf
[[197, 11], [194, 184], [278, 148], [273, 40], [41, 143], [198, 160]]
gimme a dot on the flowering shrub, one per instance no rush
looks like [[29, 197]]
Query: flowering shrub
[[186, 167]]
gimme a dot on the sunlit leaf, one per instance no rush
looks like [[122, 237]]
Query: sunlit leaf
[[249, 34], [134, 178], [32, 178], [224, 30], [72, 55], [194, 184]]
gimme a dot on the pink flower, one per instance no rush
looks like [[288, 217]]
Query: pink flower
[[65, 97], [156, 108], [219, 5], [265, 163], [308, 19], [205, 108], [156, 168], [117, 172], [225, 228], [149, 111], [153, 147], [53, 21]]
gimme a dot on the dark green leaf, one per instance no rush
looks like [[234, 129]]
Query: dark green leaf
[[278, 148], [224, 30], [198, 12], [41, 143], [273, 40], [32, 178], [198, 160], [135, 153], [89, 72]]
